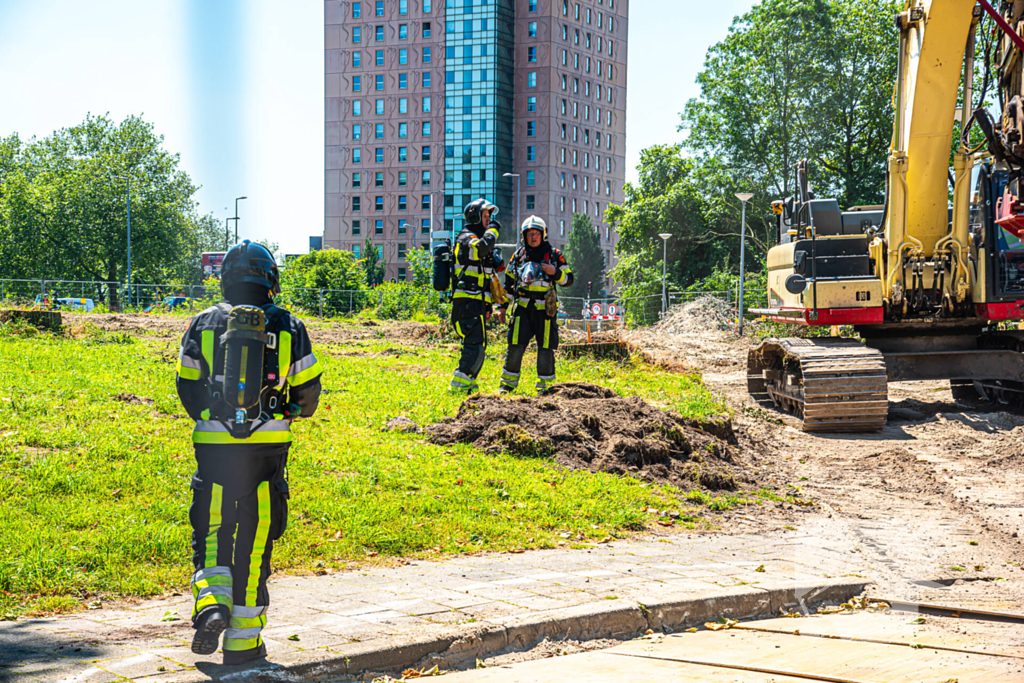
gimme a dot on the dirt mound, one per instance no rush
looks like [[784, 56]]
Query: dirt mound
[[697, 318], [585, 426], [697, 334]]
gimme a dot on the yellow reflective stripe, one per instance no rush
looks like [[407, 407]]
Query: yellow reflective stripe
[[208, 350], [205, 414], [493, 231], [565, 276], [284, 357], [186, 372], [312, 372], [515, 331], [216, 501], [547, 334], [225, 438], [208, 600], [259, 545], [241, 377], [248, 622], [242, 644], [458, 329]]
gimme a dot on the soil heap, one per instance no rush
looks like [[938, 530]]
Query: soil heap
[[585, 426], [696, 334]]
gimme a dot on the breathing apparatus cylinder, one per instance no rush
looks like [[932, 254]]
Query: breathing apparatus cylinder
[[244, 344]]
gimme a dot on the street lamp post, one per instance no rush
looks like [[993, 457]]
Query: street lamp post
[[236, 217], [128, 182], [227, 233], [518, 224], [744, 197], [664, 272]]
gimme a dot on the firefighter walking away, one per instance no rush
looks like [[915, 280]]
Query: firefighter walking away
[[532, 275], [246, 371], [476, 261]]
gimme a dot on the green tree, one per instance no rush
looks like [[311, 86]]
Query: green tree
[[329, 269], [63, 206], [373, 263], [421, 265], [585, 257]]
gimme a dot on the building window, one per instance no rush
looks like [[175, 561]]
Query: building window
[[403, 105], [531, 79], [531, 129], [565, 8], [426, 154], [563, 131], [532, 29], [380, 155], [425, 202], [531, 153], [577, 10], [427, 10], [379, 131], [531, 54], [565, 57], [355, 250], [380, 33], [607, 188], [403, 153], [576, 36], [565, 82], [357, 131], [574, 187], [403, 31], [357, 108], [563, 155], [531, 177], [380, 82], [401, 231], [426, 105], [576, 85], [403, 6], [426, 129], [403, 56], [425, 180], [380, 8], [561, 227], [378, 180], [586, 206], [378, 203], [561, 204], [531, 104], [424, 227], [588, 41], [357, 35], [403, 178], [426, 26], [426, 79], [357, 10], [401, 271], [530, 203], [357, 155], [533, 5], [379, 58], [380, 107], [357, 227], [588, 71], [588, 15], [576, 61], [574, 205], [402, 202], [357, 59], [357, 180], [403, 81], [378, 228], [426, 60], [357, 203], [563, 180]]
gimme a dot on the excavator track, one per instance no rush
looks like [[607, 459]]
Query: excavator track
[[833, 385]]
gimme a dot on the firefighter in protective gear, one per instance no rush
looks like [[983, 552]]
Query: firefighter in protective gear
[[531, 277], [239, 491], [476, 262]]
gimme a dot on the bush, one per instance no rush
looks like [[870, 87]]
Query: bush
[[336, 272], [399, 301]]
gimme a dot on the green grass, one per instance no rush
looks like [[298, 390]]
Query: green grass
[[95, 490]]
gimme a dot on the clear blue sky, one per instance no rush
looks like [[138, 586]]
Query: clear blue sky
[[236, 86]]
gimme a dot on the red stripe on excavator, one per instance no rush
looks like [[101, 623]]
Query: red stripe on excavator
[[1014, 310], [830, 316]]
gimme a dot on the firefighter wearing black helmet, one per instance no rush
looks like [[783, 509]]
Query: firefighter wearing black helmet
[[533, 274], [476, 262], [239, 491]]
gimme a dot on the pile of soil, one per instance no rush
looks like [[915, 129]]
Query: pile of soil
[[585, 426], [697, 334]]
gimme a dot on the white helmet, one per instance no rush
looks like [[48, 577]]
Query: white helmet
[[534, 223]]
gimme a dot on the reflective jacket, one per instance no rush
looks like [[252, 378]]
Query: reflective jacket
[[531, 296], [472, 276], [292, 376]]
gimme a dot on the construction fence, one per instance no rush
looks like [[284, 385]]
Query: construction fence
[[389, 301]]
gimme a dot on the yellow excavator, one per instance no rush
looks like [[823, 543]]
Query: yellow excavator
[[934, 289]]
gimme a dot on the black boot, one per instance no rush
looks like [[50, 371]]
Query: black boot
[[235, 657], [209, 624]]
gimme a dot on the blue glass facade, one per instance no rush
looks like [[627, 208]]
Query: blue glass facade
[[478, 107]]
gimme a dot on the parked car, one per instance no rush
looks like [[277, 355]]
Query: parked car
[[167, 305], [45, 302]]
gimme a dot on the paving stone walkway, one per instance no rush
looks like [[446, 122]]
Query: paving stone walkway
[[354, 610]]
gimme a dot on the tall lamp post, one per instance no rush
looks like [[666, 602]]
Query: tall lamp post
[[744, 197], [516, 176], [236, 217], [128, 182], [664, 272]]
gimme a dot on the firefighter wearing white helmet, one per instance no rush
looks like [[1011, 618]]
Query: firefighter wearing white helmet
[[531, 278]]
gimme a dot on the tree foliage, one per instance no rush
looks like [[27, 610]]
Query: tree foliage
[[585, 257], [421, 266], [329, 269], [374, 264], [63, 206]]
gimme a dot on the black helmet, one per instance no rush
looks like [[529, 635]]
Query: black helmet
[[249, 263], [474, 211]]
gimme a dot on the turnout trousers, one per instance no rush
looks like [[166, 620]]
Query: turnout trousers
[[469, 323], [239, 508], [528, 324]]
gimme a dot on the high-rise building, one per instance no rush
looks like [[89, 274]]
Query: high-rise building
[[431, 103]]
